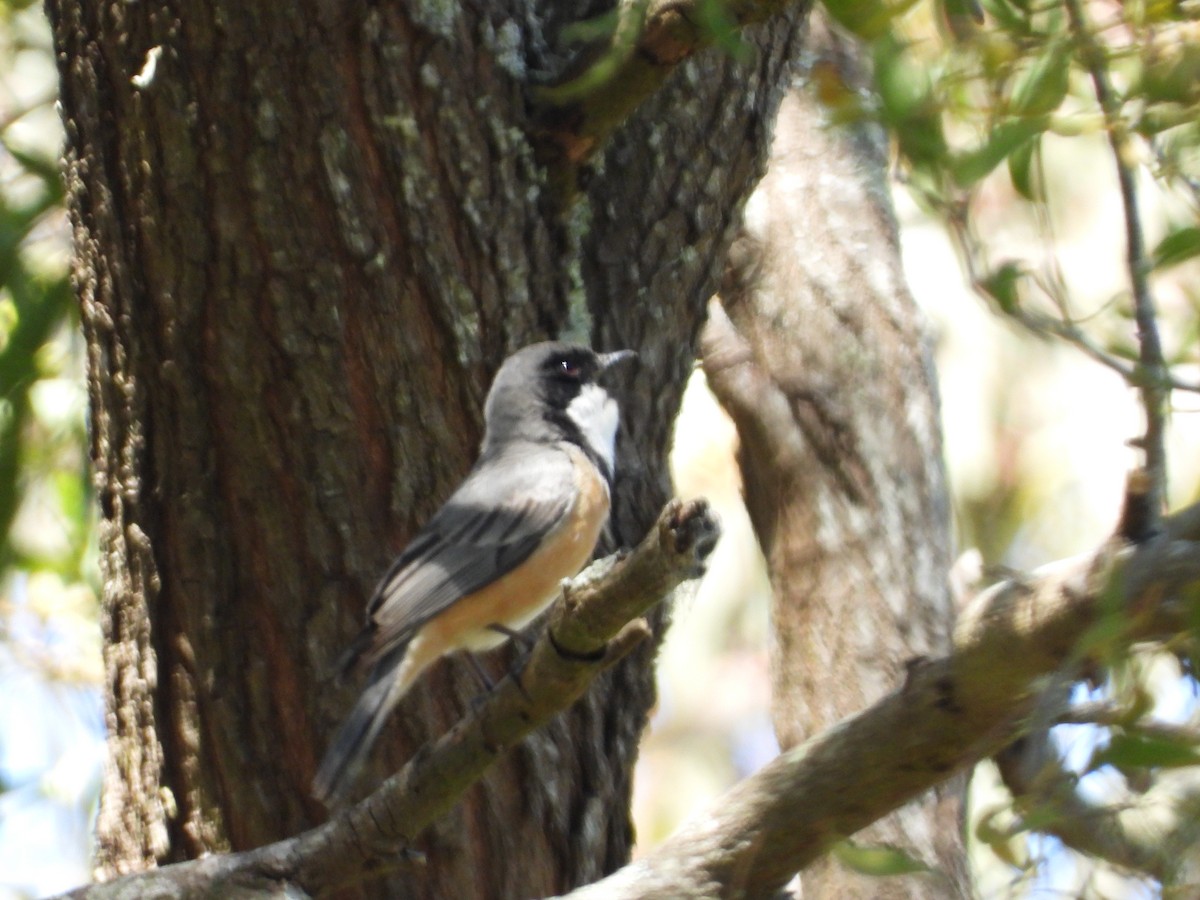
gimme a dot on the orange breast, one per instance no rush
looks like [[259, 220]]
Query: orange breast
[[513, 600]]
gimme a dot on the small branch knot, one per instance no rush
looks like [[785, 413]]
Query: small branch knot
[[693, 528]]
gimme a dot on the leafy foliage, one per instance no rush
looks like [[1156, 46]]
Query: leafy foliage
[[42, 469], [877, 861], [49, 639], [970, 92], [1003, 115]]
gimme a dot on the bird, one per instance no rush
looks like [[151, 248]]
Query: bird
[[528, 514]]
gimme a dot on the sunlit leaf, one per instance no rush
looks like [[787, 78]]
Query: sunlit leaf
[[1009, 16], [720, 26], [1048, 19], [1172, 76], [903, 85], [39, 310], [877, 860], [1137, 751], [868, 19], [970, 167], [1002, 285], [1041, 86], [72, 494], [907, 102], [1178, 246], [8, 7], [1022, 169], [44, 168], [1164, 11], [1003, 842]]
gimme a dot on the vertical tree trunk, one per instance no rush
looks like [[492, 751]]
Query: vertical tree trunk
[[841, 449], [306, 234]]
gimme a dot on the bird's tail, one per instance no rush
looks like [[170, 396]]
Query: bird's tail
[[344, 759]]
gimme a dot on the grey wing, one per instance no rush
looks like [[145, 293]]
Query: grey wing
[[490, 525]]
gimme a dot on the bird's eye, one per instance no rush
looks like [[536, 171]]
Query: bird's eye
[[568, 368]]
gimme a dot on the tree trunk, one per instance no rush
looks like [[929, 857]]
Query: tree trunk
[[841, 449], [306, 234]]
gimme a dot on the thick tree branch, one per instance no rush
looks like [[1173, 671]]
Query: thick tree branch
[[949, 713], [1149, 833], [840, 446], [591, 627]]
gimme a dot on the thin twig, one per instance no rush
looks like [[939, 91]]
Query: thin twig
[[1116, 715], [1152, 383], [974, 262], [1046, 793]]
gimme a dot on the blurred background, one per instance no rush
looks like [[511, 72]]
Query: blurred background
[[1036, 431], [51, 708]]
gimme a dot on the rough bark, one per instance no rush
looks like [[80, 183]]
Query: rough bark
[[841, 449], [306, 234]]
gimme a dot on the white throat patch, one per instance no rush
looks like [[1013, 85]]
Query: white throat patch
[[596, 414]]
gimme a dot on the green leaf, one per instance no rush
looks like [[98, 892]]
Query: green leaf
[[1004, 840], [973, 166], [877, 861], [870, 19], [907, 102], [1002, 285], [1039, 89], [904, 87], [43, 168], [1135, 751], [1009, 16], [718, 23], [1171, 76], [73, 497], [38, 312], [962, 17], [1162, 11], [1023, 171], [1178, 246]]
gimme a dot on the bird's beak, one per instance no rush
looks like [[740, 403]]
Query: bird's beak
[[608, 360]]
